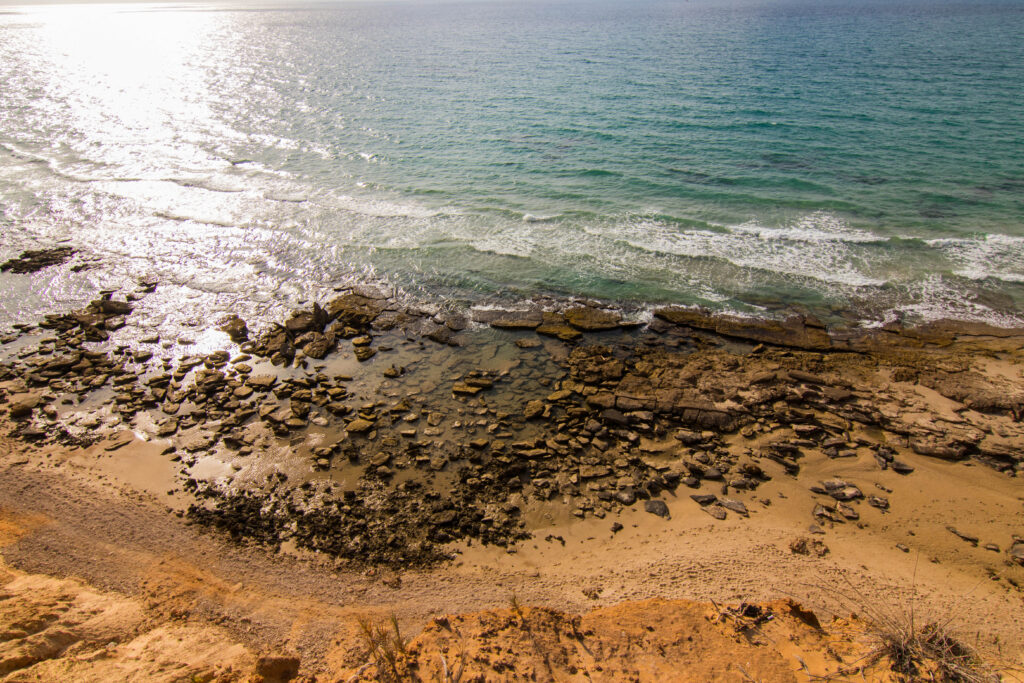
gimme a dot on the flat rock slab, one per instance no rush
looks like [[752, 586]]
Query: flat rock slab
[[199, 442], [119, 440], [736, 506], [592, 319], [559, 331], [716, 511], [795, 333]]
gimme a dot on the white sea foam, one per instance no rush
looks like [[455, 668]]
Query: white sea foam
[[189, 218], [996, 256], [803, 251], [211, 184], [292, 198], [530, 218], [816, 227], [935, 298], [383, 208]]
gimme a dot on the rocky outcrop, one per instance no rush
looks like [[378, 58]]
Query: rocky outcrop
[[33, 260], [794, 332]]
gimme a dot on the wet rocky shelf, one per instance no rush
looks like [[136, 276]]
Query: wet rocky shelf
[[422, 428]]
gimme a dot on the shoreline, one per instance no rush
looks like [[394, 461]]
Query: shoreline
[[600, 396], [368, 437], [187, 326]]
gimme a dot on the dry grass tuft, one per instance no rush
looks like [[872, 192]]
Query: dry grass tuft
[[386, 647], [912, 650]]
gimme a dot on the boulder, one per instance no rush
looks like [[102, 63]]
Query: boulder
[[277, 342], [1017, 552], [316, 345], [235, 328], [33, 260], [626, 495], [307, 321], [111, 307], [355, 310], [22, 405], [533, 409], [657, 507]]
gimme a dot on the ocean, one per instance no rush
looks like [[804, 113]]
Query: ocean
[[861, 161]]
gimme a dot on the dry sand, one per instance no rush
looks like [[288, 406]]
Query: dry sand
[[143, 596]]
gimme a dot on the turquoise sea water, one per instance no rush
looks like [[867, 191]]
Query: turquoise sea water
[[858, 157]]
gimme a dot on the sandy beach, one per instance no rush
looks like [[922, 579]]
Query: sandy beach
[[694, 497]]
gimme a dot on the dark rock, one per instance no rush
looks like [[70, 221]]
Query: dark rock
[[594, 471], [734, 505], [314, 344], [235, 328], [656, 507], [713, 473], [626, 496], [456, 322], [879, 502], [277, 342], [900, 467], [973, 540], [355, 310], [807, 546], [614, 416], [704, 498], [847, 511], [111, 307], [441, 335], [261, 382], [307, 321], [938, 449], [33, 260]]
